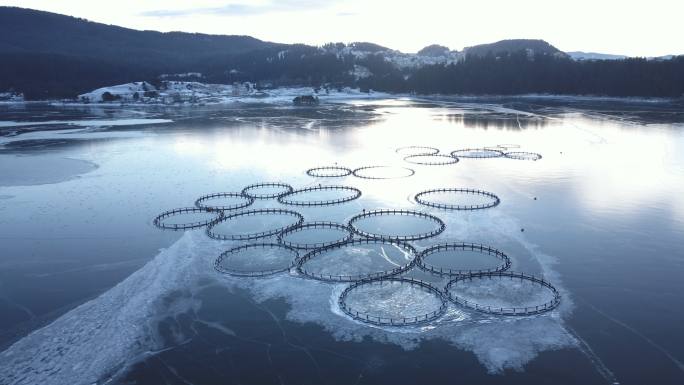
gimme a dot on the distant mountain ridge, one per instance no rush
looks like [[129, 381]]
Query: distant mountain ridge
[[25, 30], [581, 55], [47, 55], [513, 45], [434, 50]]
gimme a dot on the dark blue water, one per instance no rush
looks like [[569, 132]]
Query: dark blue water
[[86, 295]]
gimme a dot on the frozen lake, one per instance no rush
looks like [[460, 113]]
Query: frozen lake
[[92, 292]]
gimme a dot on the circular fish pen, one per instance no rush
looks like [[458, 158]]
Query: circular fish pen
[[190, 218], [478, 153], [471, 199], [469, 256], [250, 224], [356, 260], [417, 150], [314, 235], [392, 302], [431, 160], [256, 260], [522, 155], [328, 172], [503, 293], [213, 201], [320, 196], [383, 172], [507, 146], [396, 225], [267, 190]]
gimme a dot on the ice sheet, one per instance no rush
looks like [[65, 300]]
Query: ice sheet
[[86, 123], [104, 336], [42, 170]]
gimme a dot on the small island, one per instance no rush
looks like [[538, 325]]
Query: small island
[[305, 100]]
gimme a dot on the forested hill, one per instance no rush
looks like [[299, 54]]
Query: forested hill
[[29, 31], [46, 55], [515, 45]]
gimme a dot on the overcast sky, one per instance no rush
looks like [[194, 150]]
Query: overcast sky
[[636, 28]]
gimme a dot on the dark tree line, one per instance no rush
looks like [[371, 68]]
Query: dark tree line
[[297, 65], [518, 73], [50, 76], [42, 76]]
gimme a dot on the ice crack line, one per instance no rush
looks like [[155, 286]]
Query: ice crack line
[[584, 347], [667, 354]]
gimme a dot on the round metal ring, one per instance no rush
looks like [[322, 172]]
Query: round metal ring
[[421, 198], [159, 219], [315, 225], [424, 160], [255, 273], [329, 172], [202, 202], [405, 247], [261, 234], [412, 237], [423, 265], [392, 321], [513, 311], [286, 199], [286, 187]]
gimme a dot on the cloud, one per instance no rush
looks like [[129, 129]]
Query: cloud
[[239, 9]]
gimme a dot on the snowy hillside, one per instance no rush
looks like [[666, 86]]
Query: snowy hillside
[[122, 92], [11, 97], [580, 55], [168, 93], [399, 59]]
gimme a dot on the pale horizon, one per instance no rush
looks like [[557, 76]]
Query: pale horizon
[[609, 27]]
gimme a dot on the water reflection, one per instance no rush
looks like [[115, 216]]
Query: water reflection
[[500, 121]]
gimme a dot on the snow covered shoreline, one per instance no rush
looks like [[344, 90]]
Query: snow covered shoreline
[[196, 93], [185, 93]]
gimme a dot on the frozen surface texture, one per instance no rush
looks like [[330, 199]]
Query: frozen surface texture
[[105, 335]]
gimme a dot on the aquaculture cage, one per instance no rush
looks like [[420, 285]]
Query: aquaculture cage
[[204, 202], [291, 255], [478, 153], [366, 316], [252, 190], [438, 225], [297, 219], [374, 274], [289, 198], [431, 160], [421, 260], [382, 172], [505, 310], [329, 172], [312, 226], [417, 150], [215, 216], [423, 198]]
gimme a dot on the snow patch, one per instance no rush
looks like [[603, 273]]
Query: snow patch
[[121, 92], [96, 338]]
